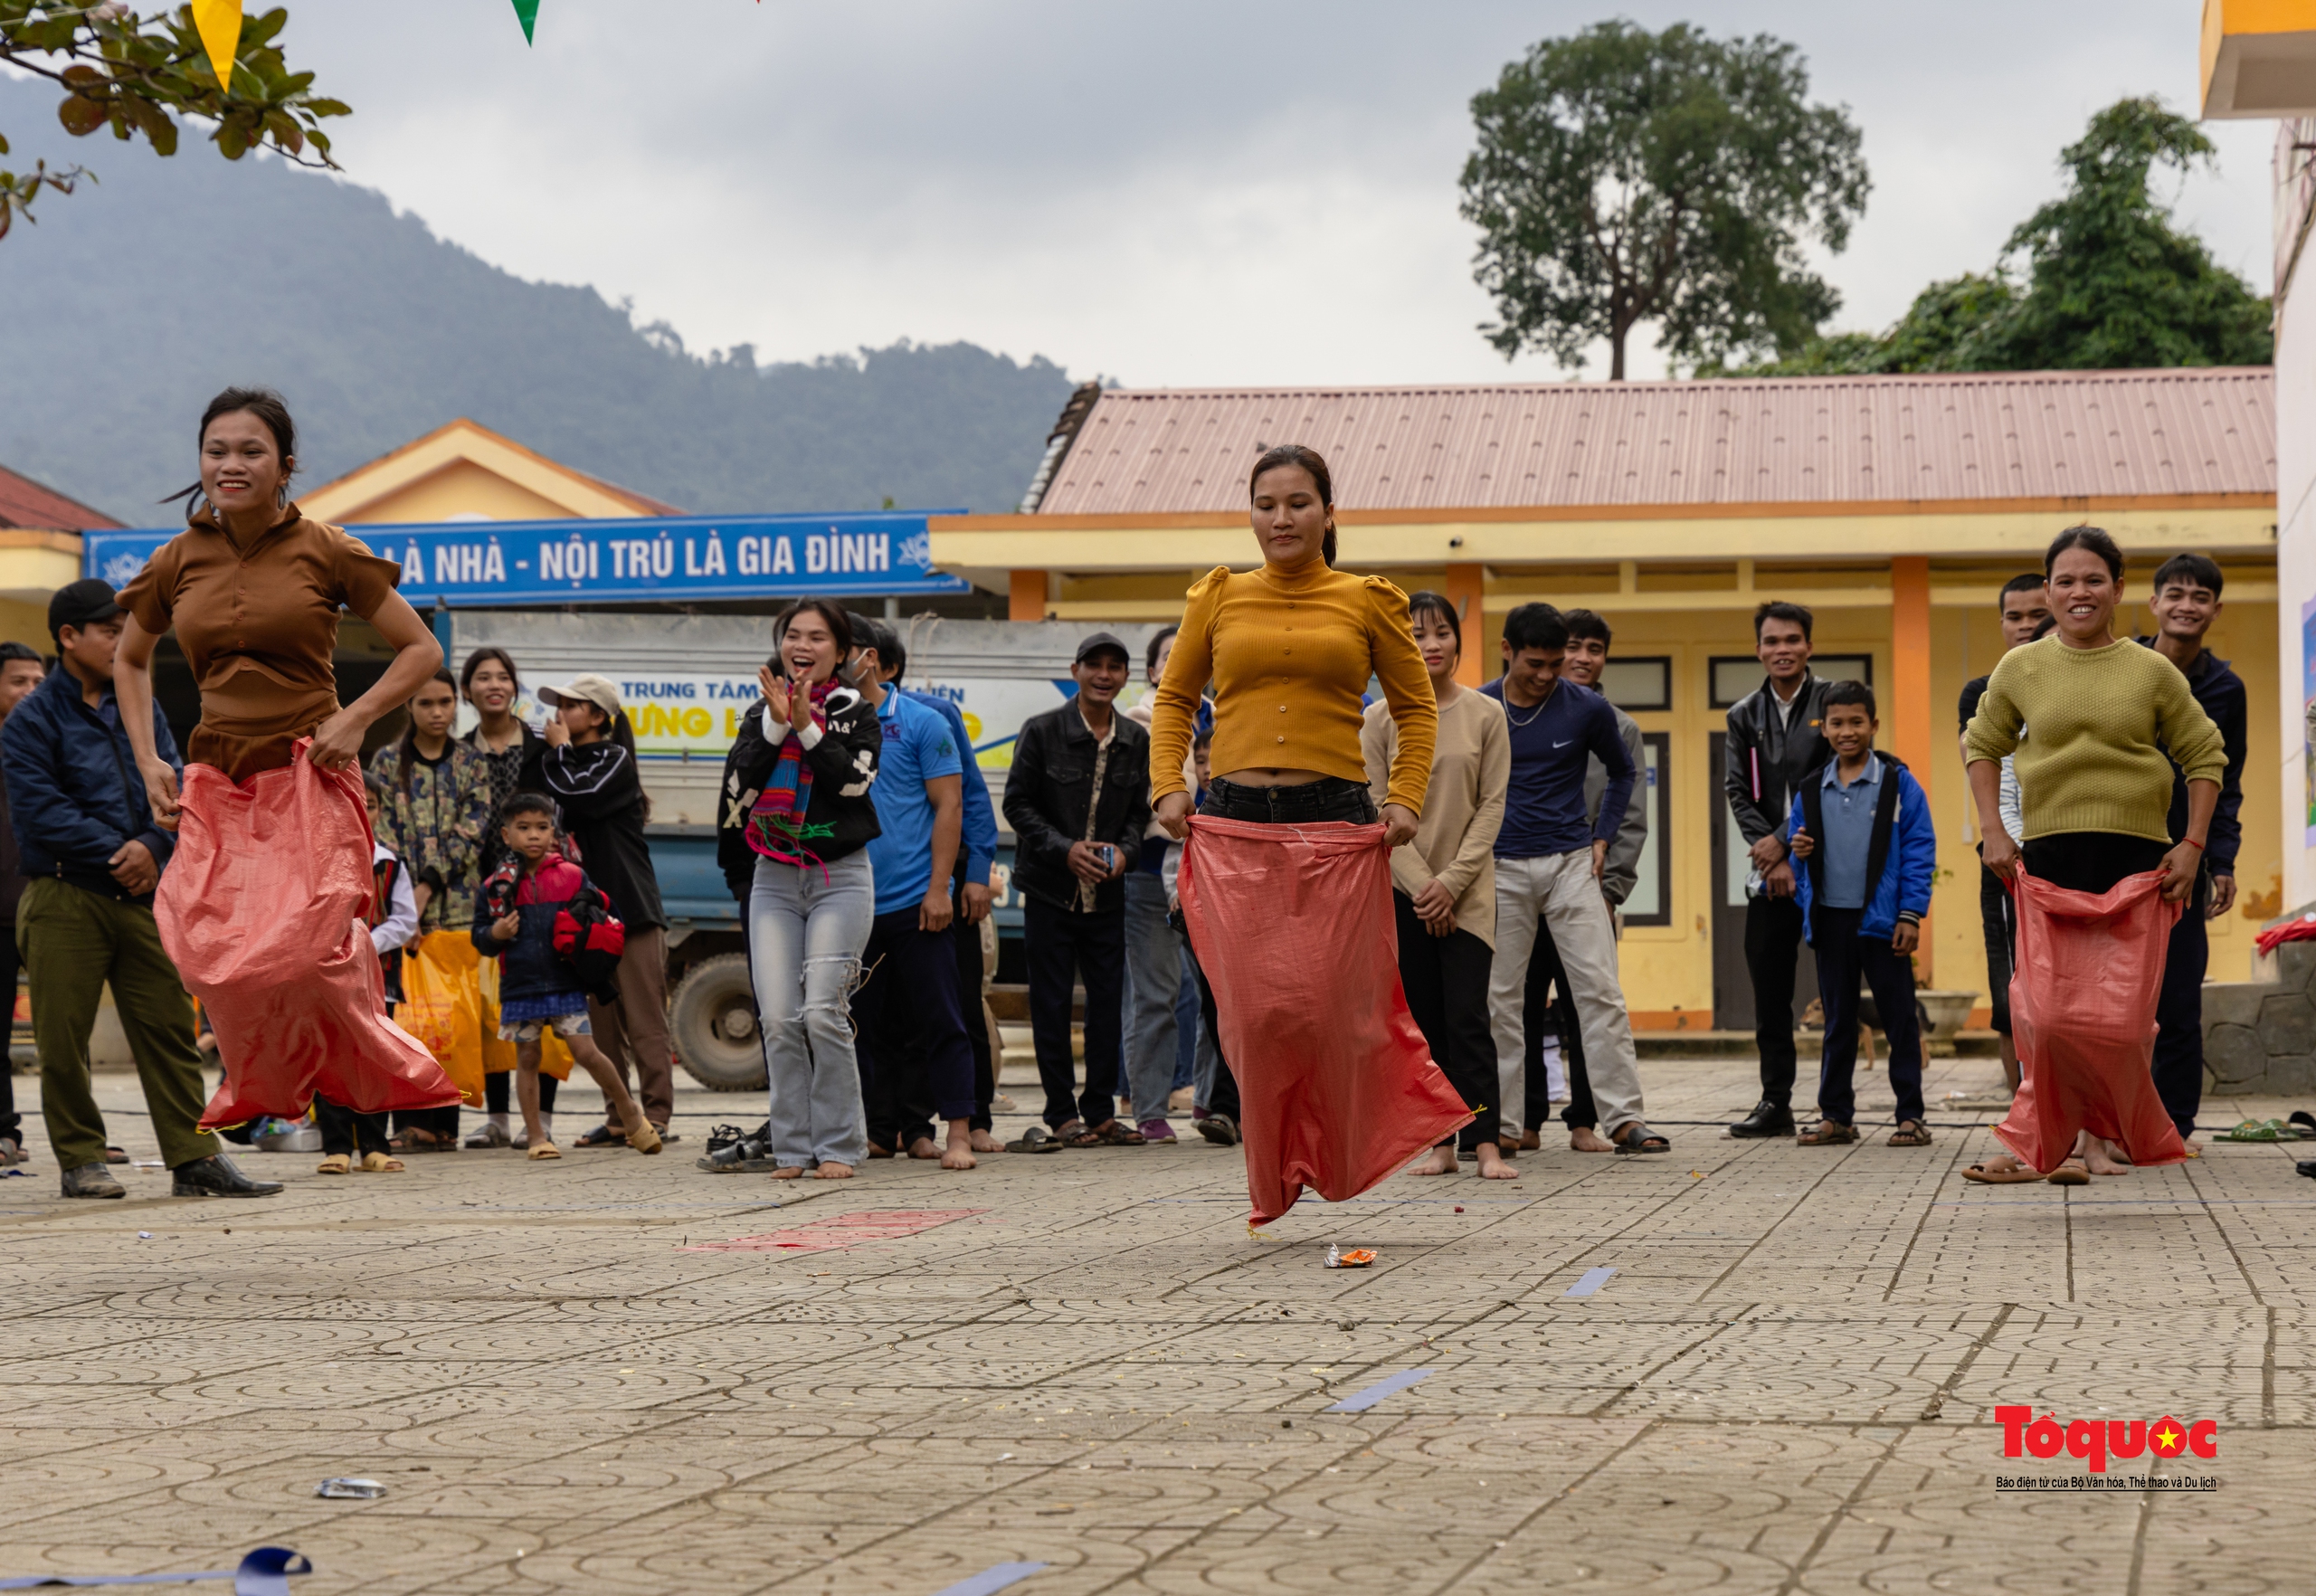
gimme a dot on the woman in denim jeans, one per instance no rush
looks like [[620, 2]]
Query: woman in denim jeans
[[805, 759], [1290, 648]]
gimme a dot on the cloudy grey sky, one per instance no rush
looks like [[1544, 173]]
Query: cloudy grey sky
[[1244, 192]]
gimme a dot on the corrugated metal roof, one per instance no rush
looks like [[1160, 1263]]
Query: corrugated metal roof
[[1995, 435], [25, 503]]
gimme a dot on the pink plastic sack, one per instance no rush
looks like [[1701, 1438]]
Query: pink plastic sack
[[261, 908], [2082, 1002], [1293, 926]]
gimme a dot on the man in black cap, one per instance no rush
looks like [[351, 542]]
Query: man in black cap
[[1077, 799], [86, 837]]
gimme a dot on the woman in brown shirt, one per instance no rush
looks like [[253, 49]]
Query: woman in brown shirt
[[253, 589]]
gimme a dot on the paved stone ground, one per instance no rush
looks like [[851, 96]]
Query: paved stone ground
[[1083, 1360]]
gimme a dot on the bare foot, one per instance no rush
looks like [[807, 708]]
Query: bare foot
[[789, 1172], [959, 1155], [984, 1142], [922, 1147], [2000, 1164], [1495, 1165], [833, 1171], [1583, 1138], [2096, 1159], [1439, 1161], [2195, 1148]]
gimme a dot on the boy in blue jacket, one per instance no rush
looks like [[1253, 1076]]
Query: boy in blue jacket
[[1861, 831], [516, 917]]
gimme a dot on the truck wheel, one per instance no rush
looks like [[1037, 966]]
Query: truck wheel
[[712, 1020]]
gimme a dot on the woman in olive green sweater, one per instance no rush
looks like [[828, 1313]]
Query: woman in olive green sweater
[[2096, 724]]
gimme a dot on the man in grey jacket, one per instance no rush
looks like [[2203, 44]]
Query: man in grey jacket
[[1548, 1012]]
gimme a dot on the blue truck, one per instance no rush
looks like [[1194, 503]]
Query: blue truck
[[711, 1002]]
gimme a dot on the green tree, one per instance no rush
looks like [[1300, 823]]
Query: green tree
[[2098, 278], [136, 73], [1624, 176]]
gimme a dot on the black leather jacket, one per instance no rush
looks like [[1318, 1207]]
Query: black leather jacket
[[1046, 797], [1768, 755]]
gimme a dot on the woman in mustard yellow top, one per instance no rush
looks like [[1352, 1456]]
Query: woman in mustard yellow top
[[1289, 647]]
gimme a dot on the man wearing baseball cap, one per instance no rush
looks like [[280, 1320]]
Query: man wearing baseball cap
[[87, 839], [1078, 799]]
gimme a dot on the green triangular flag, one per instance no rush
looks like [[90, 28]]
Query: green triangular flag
[[527, 11]]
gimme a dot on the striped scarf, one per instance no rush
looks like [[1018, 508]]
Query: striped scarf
[[776, 823]]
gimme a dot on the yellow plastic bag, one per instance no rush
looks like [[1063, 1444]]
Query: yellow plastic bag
[[499, 1057], [442, 1005]]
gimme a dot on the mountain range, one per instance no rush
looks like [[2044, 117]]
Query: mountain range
[[135, 299]]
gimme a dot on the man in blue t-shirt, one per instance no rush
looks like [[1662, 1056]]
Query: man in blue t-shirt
[[911, 1042], [974, 898], [1548, 864]]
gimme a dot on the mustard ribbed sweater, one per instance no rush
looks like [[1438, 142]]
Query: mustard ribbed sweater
[[1289, 654], [2097, 726]]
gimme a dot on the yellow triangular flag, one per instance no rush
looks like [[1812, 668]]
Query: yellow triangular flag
[[219, 25]]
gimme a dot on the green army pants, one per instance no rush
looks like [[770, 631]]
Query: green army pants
[[73, 942]]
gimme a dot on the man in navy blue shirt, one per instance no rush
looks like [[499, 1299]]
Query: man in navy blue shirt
[[1548, 863]]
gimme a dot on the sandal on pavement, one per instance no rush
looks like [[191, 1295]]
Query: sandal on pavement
[[336, 1164], [1036, 1139], [645, 1138], [1826, 1134], [1638, 1137], [380, 1163], [543, 1150], [1218, 1128], [2073, 1173], [2012, 1176], [489, 1135], [1911, 1133], [1108, 1134], [602, 1136]]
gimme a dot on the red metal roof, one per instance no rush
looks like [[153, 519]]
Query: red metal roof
[[25, 503], [1993, 435]]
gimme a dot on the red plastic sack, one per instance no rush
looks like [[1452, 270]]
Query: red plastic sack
[[2083, 1015], [261, 908], [1293, 926]]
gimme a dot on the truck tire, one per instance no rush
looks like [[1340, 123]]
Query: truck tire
[[712, 1020]]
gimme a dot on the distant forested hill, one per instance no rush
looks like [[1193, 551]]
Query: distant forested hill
[[135, 299]]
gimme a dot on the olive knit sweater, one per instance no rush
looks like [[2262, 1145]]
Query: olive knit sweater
[[1289, 654], [2098, 725]]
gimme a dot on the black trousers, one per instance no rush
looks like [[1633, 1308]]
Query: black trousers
[[1843, 957], [497, 1098], [1445, 982], [969, 974], [2180, 1012], [916, 1062], [346, 1132], [1772, 953], [2090, 862], [2001, 938], [12, 1123], [1065, 947], [1550, 1011], [1332, 798]]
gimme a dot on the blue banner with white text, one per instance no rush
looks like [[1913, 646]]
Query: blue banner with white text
[[480, 565]]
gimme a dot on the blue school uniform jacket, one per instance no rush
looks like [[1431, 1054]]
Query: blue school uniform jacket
[[1902, 834]]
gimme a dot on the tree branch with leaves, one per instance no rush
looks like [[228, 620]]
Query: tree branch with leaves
[[137, 73], [1625, 176]]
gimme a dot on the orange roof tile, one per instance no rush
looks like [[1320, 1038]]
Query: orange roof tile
[[1993, 435], [25, 503]]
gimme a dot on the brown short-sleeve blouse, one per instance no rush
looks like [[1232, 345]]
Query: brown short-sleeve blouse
[[258, 627]]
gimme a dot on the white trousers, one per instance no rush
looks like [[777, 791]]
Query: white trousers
[[1562, 889]]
